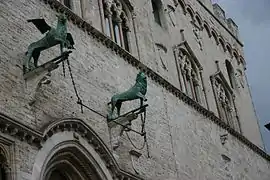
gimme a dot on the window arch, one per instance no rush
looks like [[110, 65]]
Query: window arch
[[229, 49], [189, 75], [198, 20], [225, 102], [116, 22], [222, 43], [215, 35], [207, 28], [183, 5], [235, 55], [231, 74], [190, 12]]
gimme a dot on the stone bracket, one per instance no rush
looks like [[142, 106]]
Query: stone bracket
[[48, 66]]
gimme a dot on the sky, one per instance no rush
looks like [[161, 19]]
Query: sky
[[253, 20]]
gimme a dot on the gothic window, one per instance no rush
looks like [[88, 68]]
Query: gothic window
[[225, 104], [230, 72], [116, 22], [156, 5], [189, 75]]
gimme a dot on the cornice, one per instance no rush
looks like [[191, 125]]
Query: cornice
[[99, 36]]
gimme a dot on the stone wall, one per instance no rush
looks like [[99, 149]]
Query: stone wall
[[183, 144]]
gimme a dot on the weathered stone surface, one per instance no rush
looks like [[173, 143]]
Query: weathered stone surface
[[183, 144]]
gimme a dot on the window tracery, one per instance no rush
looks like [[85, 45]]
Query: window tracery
[[225, 103], [116, 22], [189, 75]]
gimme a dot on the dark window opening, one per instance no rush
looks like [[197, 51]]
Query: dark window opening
[[2, 173], [125, 37], [230, 73], [156, 11]]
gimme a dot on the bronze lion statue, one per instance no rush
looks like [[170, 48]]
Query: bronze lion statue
[[137, 91]]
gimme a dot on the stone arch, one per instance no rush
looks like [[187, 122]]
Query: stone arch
[[194, 60], [207, 28], [215, 35], [63, 140], [198, 19], [229, 48], [183, 5], [190, 11], [230, 72], [242, 60], [222, 43], [236, 55]]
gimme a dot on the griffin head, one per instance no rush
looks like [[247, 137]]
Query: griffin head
[[62, 18]]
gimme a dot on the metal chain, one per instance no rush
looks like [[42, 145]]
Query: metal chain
[[64, 71], [143, 117], [134, 144], [74, 86]]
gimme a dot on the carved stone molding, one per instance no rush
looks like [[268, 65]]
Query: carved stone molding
[[24, 133]]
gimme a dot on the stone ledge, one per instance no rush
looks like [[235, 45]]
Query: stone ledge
[[100, 37]]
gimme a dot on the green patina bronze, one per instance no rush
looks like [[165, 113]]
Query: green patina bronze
[[54, 36], [137, 91]]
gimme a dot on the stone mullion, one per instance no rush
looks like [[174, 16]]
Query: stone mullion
[[197, 89], [120, 27], [184, 75], [111, 27], [193, 94], [204, 96]]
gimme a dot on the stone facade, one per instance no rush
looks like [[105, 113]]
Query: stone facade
[[200, 123]]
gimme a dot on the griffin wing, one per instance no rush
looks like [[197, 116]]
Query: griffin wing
[[41, 24], [70, 39]]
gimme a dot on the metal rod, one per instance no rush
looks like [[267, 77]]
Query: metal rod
[[144, 106], [129, 128], [79, 102]]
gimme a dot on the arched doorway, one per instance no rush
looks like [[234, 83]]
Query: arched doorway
[[3, 164], [70, 164], [73, 151]]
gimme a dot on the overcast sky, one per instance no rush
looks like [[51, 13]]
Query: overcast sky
[[253, 20]]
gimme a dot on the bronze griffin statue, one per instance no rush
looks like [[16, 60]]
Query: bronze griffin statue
[[54, 36], [137, 91]]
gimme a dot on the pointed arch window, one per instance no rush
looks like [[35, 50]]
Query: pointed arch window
[[190, 75], [225, 101], [116, 22], [231, 74]]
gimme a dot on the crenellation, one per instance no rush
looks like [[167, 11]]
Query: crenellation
[[233, 27], [219, 12]]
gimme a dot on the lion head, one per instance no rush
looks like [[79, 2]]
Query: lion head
[[142, 80]]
